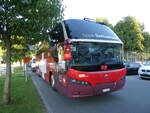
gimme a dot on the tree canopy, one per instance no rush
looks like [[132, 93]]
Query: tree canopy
[[105, 21], [27, 20], [146, 41], [130, 32], [24, 23]]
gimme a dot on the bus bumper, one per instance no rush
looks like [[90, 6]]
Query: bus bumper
[[73, 90]]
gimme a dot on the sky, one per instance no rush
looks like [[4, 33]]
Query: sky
[[113, 10]]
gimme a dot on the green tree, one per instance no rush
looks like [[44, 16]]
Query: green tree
[[25, 22], [19, 51], [146, 41], [130, 32], [105, 21]]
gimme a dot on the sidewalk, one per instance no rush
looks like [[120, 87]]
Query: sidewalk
[[43, 90]]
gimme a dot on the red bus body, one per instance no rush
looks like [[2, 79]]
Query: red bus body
[[80, 81]]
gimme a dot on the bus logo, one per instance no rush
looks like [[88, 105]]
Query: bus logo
[[106, 76]]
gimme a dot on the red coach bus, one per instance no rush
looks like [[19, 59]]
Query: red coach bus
[[85, 58]]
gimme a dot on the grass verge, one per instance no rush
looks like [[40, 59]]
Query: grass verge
[[25, 98]]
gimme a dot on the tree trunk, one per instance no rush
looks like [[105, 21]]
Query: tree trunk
[[7, 85]]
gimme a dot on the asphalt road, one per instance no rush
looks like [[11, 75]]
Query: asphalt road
[[133, 98]]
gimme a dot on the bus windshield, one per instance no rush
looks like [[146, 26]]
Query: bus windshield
[[94, 53], [80, 29]]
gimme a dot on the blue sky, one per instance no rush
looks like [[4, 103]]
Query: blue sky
[[113, 10]]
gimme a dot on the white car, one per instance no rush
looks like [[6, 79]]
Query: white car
[[144, 71], [33, 65]]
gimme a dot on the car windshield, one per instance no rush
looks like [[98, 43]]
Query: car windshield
[[93, 53], [133, 64], [147, 64]]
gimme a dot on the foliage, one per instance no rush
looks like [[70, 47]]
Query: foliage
[[17, 54], [40, 48], [130, 32], [28, 22], [2, 52], [146, 41], [105, 21], [24, 23], [24, 95], [29, 18]]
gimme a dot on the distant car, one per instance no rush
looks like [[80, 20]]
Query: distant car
[[144, 71], [132, 67], [33, 65]]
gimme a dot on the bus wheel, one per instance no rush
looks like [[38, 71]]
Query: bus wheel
[[52, 82]]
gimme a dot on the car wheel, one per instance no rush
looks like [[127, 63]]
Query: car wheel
[[52, 82]]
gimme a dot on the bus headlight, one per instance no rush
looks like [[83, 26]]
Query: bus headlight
[[82, 75], [79, 82]]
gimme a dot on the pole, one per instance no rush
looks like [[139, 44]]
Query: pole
[[24, 69]]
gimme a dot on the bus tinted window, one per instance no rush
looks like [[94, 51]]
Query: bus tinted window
[[96, 53], [88, 29]]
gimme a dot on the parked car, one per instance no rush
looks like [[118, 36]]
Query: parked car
[[132, 67], [144, 71], [33, 65]]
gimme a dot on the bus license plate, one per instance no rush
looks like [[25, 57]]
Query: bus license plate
[[106, 90]]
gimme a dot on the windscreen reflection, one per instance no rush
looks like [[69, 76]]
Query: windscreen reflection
[[87, 53]]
